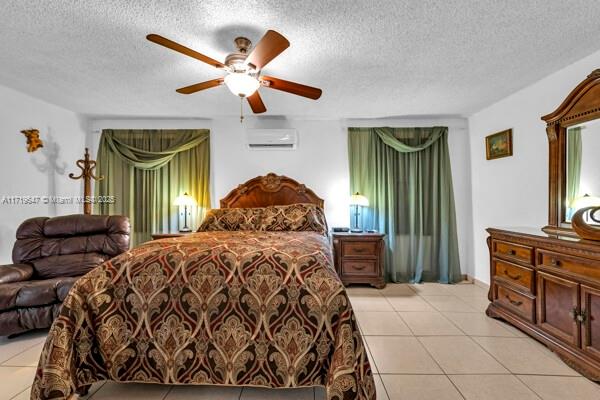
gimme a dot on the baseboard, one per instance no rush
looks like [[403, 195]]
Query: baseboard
[[479, 283]]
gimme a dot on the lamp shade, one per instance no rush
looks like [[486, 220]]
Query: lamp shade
[[241, 84], [185, 200], [358, 199], [586, 201]]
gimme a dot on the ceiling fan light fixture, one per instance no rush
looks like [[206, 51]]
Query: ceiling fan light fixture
[[241, 84]]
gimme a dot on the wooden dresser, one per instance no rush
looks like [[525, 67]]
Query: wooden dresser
[[549, 286], [359, 258]]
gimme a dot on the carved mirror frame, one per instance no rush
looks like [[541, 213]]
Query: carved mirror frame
[[581, 105]]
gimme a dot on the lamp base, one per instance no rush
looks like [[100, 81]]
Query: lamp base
[[356, 230], [185, 230]]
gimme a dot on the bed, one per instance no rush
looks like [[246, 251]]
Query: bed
[[219, 307]]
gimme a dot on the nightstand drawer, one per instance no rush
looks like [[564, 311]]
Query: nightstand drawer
[[360, 267], [359, 249]]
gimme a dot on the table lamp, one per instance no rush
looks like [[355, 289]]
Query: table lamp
[[186, 201], [357, 200]]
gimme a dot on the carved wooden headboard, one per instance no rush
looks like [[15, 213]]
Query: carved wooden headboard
[[270, 190]]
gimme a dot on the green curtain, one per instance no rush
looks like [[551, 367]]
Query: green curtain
[[573, 168], [145, 170], [406, 175]]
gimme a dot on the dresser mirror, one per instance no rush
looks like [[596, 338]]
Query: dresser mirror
[[582, 186], [573, 131]]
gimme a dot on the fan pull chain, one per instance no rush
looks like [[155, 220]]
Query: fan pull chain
[[241, 109]]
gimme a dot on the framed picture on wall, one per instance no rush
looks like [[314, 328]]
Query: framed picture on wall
[[499, 145]]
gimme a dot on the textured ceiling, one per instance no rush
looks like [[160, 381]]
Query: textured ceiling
[[371, 58]]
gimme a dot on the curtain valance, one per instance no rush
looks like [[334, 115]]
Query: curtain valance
[[148, 159], [393, 137]]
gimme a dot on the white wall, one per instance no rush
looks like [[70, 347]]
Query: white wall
[[320, 161], [513, 191], [42, 173]]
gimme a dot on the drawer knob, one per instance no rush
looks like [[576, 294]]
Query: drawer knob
[[513, 302], [578, 316], [514, 277], [554, 262], [359, 249], [573, 313], [512, 252], [359, 267]]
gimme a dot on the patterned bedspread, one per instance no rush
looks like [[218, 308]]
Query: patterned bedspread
[[224, 308]]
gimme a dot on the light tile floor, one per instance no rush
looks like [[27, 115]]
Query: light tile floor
[[425, 342]]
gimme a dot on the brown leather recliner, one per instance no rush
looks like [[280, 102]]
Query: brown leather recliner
[[50, 254]]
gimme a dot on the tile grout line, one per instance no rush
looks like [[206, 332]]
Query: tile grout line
[[499, 362], [21, 352], [21, 392], [97, 390], [441, 369], [466, 334], [527, 386], [387, 394], [427, 351], [168, 392], [368, 349]]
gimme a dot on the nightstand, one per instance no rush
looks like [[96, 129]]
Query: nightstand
[[156, 236], [359, 258]]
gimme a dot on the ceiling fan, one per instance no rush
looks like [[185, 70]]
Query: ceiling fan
[[243, 69]]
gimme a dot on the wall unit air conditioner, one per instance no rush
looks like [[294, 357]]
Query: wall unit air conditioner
[[271, 139]]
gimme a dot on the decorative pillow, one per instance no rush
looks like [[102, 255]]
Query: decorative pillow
[[294, 217], [232, 219]]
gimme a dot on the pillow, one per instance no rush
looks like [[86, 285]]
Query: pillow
[[232, 219], [294, 217]]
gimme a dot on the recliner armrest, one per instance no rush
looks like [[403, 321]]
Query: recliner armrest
[[15, 273]]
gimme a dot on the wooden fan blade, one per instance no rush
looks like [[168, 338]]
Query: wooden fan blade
[[200, 86], [291, 87], [269, 47], [256, 103], [183, 50]]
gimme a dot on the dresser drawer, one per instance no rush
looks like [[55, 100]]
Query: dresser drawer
[[570, 264], [360, 267], [517, 302], [515, 274], [513, 251], [359, 249]]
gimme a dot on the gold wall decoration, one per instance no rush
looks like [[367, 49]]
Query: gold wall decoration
[[33, 139]]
